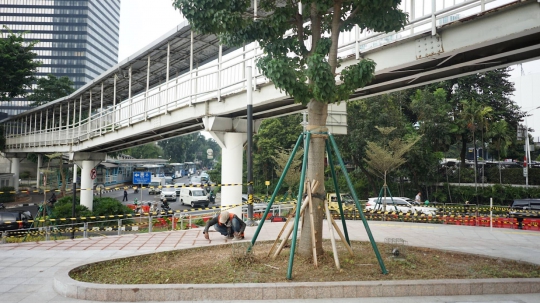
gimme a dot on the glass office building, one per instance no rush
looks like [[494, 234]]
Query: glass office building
[[77, 38]]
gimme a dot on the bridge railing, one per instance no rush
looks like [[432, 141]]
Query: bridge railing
[[219, 78]]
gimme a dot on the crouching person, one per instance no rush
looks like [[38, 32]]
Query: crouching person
[[227, 224]]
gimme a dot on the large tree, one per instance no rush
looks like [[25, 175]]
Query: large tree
[[305, 71], [51, 88], [189, 148], [490, 89], [17, 64]]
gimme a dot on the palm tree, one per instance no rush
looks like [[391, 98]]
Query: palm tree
[[500, 140], [500, 137], [475, 114]]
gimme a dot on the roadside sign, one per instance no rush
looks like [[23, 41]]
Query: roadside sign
[[93, 173], [525, 172], [142, 177]]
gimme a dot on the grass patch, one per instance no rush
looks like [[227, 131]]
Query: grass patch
[[231, 264]]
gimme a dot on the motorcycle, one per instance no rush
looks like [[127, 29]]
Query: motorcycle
[[165, 206], [211, 197], [136, 190], [2, 206]]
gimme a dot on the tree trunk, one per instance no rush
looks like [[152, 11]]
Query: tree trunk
[[63, 178], [463, 149], [317, 112]]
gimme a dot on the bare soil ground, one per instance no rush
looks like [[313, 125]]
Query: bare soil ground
[[231, 264]]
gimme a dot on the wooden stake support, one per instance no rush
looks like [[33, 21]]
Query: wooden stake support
[[302, 209], [334, 248]]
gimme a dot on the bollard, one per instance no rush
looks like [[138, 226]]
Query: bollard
[[47, 233], [4, 236], [119, 227], [189, 222], [85, 231], [149, 223]]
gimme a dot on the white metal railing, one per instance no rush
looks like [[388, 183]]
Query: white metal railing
[[217, 78]]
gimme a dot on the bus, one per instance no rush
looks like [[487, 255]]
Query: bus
[[175, 170], [191, 167]]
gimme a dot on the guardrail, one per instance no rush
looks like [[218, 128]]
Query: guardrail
[[53, 229]]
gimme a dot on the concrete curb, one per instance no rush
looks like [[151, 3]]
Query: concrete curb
[[70, 288]]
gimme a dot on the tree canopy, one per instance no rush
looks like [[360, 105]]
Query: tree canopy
[[189, 148], [17, 64], [51, 88]]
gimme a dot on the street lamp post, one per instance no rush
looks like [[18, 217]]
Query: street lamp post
[[527, 159]]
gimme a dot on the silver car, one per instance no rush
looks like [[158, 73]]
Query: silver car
[[168, 193], [401, 204]]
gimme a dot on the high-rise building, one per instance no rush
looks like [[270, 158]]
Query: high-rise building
[[77, 38]]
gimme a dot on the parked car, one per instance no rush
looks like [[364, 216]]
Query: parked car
[[346, 199], [168, 193], [525, 208], [178, 187], [10, 220], [194, 196], [401, 204]]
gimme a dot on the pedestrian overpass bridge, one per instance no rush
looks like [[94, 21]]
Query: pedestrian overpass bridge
[[185, 82]]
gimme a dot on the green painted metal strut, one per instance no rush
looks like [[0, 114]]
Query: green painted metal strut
[[276, 190], [353, 192], [299, 205], [338, 195]]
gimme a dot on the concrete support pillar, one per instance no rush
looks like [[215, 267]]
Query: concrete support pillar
[[15, 167], [87, 161], [15, 159], [38, 171], [87, 184], [230, 134], [231, 168]]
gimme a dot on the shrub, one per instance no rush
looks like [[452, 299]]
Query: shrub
[[63, 208], [109, 206]]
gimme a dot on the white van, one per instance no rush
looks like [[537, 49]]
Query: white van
[[194, 196]]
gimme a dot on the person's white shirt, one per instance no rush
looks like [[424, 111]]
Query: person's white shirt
[[418, 198]]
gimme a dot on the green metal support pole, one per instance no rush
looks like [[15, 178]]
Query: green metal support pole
[[338, 196], [351, 188], [299, 205], [278, 186]]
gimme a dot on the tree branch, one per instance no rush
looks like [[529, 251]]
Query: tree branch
[[300, 32]]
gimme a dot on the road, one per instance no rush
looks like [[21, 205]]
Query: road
[[145, 197]]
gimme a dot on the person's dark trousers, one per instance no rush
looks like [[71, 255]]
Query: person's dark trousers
[[222, 229], [125, 198]]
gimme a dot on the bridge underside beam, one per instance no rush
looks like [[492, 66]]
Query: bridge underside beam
[[496, 39]]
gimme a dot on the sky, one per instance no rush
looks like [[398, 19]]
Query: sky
[[143, 21]]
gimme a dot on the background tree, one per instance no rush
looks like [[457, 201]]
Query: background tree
[[363, 116], [17, 64], [146, 151], [501, 137], [51, 88], [491, 89], [274, 134], [190, 147], [292, 178], [383, 157]]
